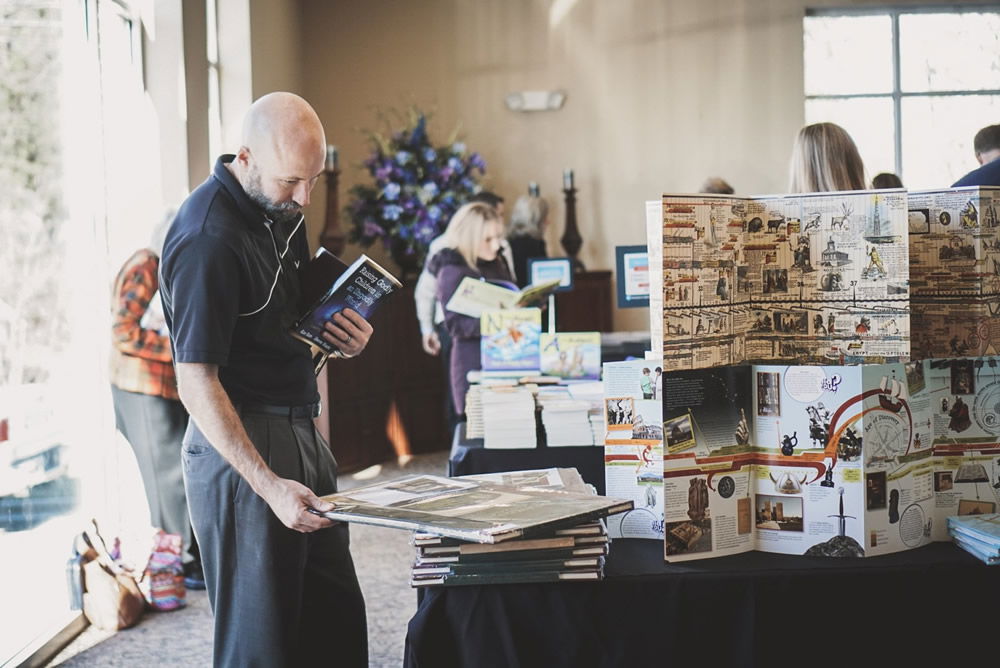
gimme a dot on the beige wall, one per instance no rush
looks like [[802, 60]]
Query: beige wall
[[276, 55], [659, 94]]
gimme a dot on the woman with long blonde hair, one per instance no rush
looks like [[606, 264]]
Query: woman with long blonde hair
[[472, 248], [825, 159]]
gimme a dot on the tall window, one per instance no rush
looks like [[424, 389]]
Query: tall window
[[912, 86], [74, 164]]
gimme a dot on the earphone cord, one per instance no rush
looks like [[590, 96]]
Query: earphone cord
[[277, 256]]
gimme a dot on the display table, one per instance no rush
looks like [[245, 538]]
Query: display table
[[468, 456], [932, 604]]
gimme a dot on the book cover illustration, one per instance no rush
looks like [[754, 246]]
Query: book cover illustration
[[510, 340], [571, 355], [361, 287]]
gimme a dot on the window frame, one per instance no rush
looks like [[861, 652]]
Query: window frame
[[897, 95]]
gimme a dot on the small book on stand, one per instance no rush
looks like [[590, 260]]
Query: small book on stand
[[329, 286]]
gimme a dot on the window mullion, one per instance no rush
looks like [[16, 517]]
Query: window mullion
[[897, 104]]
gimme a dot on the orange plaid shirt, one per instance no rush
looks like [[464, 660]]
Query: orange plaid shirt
[[140, 358]]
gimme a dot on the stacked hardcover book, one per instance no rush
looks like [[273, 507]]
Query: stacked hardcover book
[[565, 551], [570, 554], [979, 535]]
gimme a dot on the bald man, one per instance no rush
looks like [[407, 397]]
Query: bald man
[[280, 579]]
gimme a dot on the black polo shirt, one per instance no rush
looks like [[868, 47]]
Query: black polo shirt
[[230, 298]]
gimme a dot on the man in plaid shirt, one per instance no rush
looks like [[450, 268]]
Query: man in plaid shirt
[[148, 411]]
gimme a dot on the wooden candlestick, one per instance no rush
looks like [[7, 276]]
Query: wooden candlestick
[[571, 239]]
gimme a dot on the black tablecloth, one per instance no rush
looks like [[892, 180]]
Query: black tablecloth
[[468, 456], [934, 604]]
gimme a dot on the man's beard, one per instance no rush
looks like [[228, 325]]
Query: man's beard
[[286, 212]]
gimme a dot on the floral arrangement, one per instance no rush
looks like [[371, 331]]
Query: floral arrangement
[[417, 187]]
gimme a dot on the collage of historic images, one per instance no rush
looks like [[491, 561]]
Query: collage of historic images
[[808, 278], [838, 459]]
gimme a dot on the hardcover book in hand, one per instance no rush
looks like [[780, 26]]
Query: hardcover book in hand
[[362, 286]]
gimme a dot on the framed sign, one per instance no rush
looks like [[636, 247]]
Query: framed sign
[[544, 269], [632, 274]]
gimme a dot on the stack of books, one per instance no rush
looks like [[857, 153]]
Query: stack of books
[[979, 535], [474, 412], [570, 554], [508, 416], [566, 421], [570, 549]]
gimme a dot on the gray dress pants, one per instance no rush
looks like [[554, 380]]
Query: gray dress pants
[[280, 597], [154, 427]]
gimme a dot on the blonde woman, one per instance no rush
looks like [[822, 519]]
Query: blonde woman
[[527, 224], [471, 248], [825, 159]]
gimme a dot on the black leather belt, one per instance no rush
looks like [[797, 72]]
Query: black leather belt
[[291, 412]]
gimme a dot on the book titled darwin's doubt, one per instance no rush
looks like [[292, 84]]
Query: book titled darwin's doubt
[[362, 286]]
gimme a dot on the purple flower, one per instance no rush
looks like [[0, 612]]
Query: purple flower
[[430, 189], [446, 173], [434, 212], [477, 161], [455, 164], [383, 173], [373, 229], [391, 191], [430, 154], [403, 157]]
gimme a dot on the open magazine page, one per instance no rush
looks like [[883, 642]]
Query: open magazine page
[[708, 466], [961, 401], [808, 438], [899, 469], [955, 271], [633, 450], [704, 307], [708, 411], [799, 278], [708, 507]]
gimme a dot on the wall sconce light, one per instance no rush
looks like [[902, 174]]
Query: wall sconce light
[[535, 100]]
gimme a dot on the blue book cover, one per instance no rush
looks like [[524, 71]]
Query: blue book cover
[[361, 287], [984, 528]]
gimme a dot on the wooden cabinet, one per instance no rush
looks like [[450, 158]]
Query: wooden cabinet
[[587, 307], [393, 393]]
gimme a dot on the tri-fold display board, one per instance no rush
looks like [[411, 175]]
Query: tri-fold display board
[[830, 384]]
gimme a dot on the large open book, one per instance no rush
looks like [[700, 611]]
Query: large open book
[[474, 296], [471, 510]]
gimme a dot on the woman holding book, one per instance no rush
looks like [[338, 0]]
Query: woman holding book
[[471, 248], [825, 159]]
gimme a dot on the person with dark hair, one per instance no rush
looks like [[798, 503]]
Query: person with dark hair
[[490, 198], [987, 147], [715, 185], [825, 159], [280, 577], [527, 226], [885, 181]]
